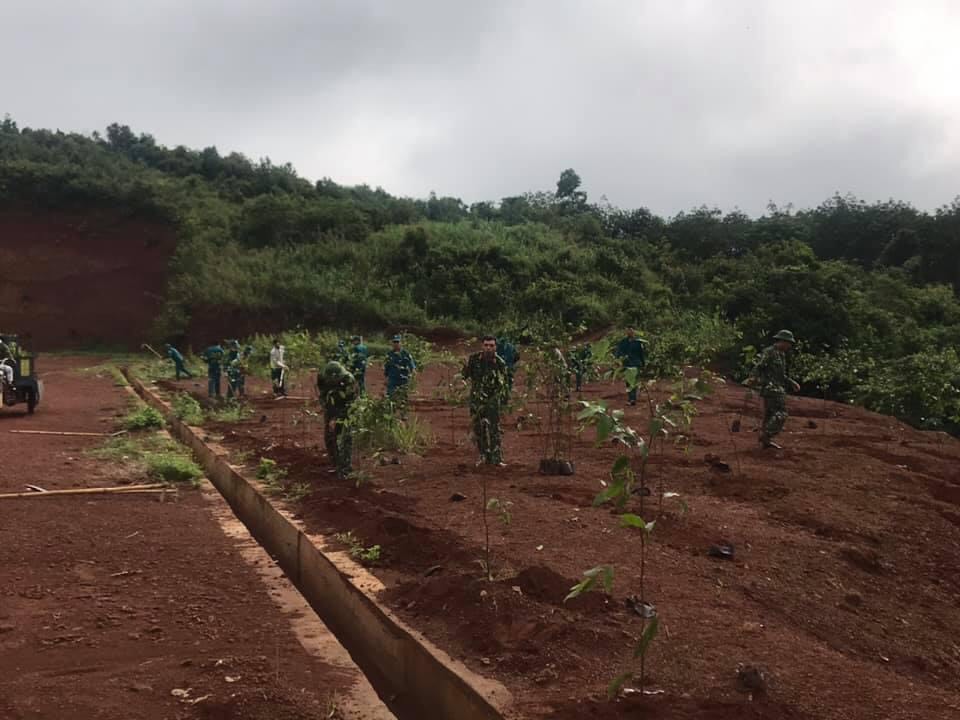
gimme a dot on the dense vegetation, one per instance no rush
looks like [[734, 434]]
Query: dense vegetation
[[870, 288]]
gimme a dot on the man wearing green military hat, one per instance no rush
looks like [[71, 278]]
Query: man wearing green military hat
[[338, 391], [769, 377]]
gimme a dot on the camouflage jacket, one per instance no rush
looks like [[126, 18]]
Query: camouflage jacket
[[769, 375], [488, 380], [337, 394]]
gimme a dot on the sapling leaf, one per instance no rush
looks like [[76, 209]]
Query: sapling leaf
[[608, 578], [616, 488], [631, 520], [591, 577], [617, 684], [671, 494], [605, 426], [656, 425], [649, 633], [622, 463]]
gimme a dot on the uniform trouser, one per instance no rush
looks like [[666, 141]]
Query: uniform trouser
[[398, 388], [213, 382], [180, 369], [486, 431], [632, 391], [361, 376], [578, 374], [774, 414], [339, 445], [276, 375], [234, 385]]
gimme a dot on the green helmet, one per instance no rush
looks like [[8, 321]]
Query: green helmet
[[786, 336], [333, 369]]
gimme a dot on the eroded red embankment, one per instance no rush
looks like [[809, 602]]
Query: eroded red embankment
[[81, 279]]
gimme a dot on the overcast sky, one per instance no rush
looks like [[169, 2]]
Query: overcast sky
[[667, 104]]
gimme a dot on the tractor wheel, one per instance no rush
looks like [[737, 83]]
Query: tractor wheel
[[31, 401]]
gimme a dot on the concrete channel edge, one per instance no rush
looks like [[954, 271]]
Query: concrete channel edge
[[413, 682]]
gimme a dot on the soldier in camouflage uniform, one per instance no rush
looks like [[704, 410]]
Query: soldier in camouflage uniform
[[769, 377], [338, 390], [489, 390], [581, 361]]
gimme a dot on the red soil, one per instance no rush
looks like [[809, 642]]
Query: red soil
[[109, 603], [81, 279], [844, 588]]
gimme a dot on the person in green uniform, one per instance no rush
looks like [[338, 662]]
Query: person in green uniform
[[179, 367], [489, 390], [769, 377], [359, 355], [213, 357], [632, 354], [235, 370], [338, 390], [581, 360]]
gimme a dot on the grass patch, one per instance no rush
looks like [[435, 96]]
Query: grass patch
[[230, 413], [363, 555], [153, 455], [143, 417], [186, 408], [172, 467], [272, 476]]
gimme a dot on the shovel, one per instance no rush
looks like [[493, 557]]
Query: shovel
[[735, 426]]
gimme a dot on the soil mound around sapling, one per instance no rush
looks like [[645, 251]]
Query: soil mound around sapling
[[548, 586]]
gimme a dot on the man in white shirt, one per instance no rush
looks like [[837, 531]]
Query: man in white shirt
[[278, 368]]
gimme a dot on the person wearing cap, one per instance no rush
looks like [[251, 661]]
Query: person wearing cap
[[358, 362], [489, 390], [178, 364], [511, 356], [632, 354], [338, 390], [398, 367], [769, 377], [341, 354], [213, 357], [278, 368], [235, 370]]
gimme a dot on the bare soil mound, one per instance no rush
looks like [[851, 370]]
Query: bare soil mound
[[81, 280]]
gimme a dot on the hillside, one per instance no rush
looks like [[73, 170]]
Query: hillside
[[870, 289]]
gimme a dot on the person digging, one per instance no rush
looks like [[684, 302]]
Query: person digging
[[338, 390], [489, 390], [769, 377]]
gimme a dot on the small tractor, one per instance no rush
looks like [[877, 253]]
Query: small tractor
[[18, 378]]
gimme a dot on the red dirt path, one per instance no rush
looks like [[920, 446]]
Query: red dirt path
[[845, 589], [81, 640]]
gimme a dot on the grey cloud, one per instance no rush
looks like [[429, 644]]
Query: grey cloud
[[667, 105]]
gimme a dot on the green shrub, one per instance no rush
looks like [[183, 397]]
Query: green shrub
[[143, 418], [186, 408], [172, 467]]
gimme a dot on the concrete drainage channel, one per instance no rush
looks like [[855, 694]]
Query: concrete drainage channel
[[409, 677]]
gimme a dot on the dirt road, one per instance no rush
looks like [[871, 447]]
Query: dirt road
[[119, 607]]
